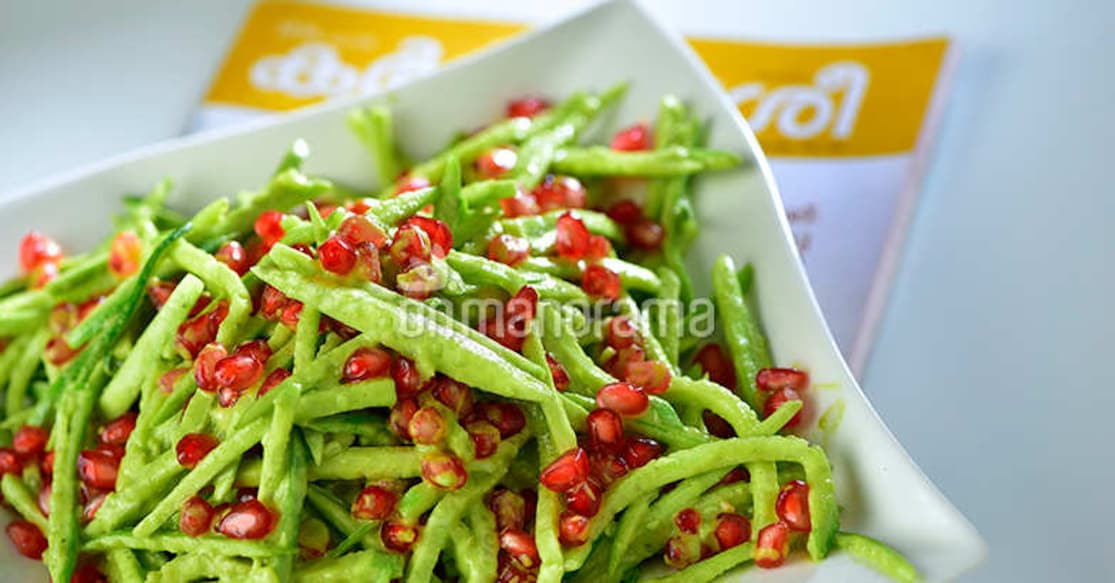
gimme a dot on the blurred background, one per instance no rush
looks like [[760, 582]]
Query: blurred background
[[989, 360]]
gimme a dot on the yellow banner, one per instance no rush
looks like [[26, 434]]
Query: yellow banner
[[801, 100]]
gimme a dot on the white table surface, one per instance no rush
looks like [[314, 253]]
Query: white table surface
[[992, 361]]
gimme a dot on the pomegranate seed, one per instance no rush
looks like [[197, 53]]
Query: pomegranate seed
[[46, 466], [37, 249], [358, 229], [10, 462], [584, 498], [238, 372], [411, 245], [97, 468], [793, 506], [368, 265], [645, 234], [572, 237], [88, 573], [30, 441], [427, 427], [560, 192], [523, 204], [716, 365], [457, 397], [781, 397], [271, 302], [58, 352], [336, 256], [573, 529], [607, 468], [639, 451], [650, 375], [734, 476], [292, 312], [601, 282], [234, 256], [63, 318], [45, 490], [399, 420], [118, 431], [527, 106], [398, 536], [170, 378], [195, 333], [419, 281], [681, 551], [716, 425], [632, 139], [688, 520], [258, 350], [617, 365], [247, 520], [193, 447], [568, 470], [245, 494], [499, 329], [27, 538], [368, 363], [443, 470], [441, 238], [771, 545], [496, 162], [508, 249], [622, 333], [485, 438], [88, 306], [114, 451], [507, 417], [43, 275], [159, 292], [408, 382], [277, 376], [509, 508], [731, 530], [205, 367], [374, 503], [558, 373], [520, 547], [623, 398], [405, 184], [196, 517], [598, 248], [269, 227], [605, 431], [625, 212], [772, 379]]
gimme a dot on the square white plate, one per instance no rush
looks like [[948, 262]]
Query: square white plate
[[882, 491]]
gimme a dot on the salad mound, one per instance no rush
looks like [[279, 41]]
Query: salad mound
[[494, 369]]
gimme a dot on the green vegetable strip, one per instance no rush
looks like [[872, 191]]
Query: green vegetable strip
[[480, 271], [127, 504], [370, 463], [339, 517], [123, 567], [195, 566], [539, 228], [350, 541], [305, 339], [705, 394], [373, 566], [17, 322], [730, 498], [71, 419], [745, 340], [878, 556], [176, 542], [295, 156], [664, 162], [124, 387], [342, 398], [632, 276], [764, 493], [485, 553], [25, 363], [370, 428], [667, 317], [418, 500], [633, 521], [8, 358], [546, 537], [462, 547], [19, 497], [712, 567], [293, 498], [375, 128], [276, 443], [286, 190], [221, 279], [449, 197]]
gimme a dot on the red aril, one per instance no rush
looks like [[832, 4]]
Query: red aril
[[408, 382], [399, 419], [196, 516], [234, 256], [572, 237], [601, 282], [195, 333], [509, 508], [716, 365], [271, 302], [170, 378], [457, 397], [398, 536], [557, 373], [639, 451], [681, 551], [793, 506], [584, 498], [632, 139], [87, 572], [411, 245], [259, 350], [560, 192], [27, 538], [124, 255], [507, 417], [598, 248], [617, 364], [529, 106], [523, 204], [368, 265], [249, 520], [623, 398], [193, 447], [625, 212], [205, 367], [292, 312], [607, 467], [97, 468], [573, 529], [781, 397], [688, 520], [772, 379], [485, 438], [277, 376], [367, 363], [520, 547], [605, 431], [159, 292], [238, 372], [735, 475], [444, 470], [496, 162], [508, 249], [10, 461], [650, 375], [269, 227], [568, 470], [358, 229], [731, 530], [419, 281], [336, 256], [645, 234], [37, 249], [63, 317], [58, 352], [374, 503], [44, 498], [406, 183], [427, 427], [30, 441], [117, 431], [42, 275], [771, 545], [441, 238], [621, 332], [716, 425]]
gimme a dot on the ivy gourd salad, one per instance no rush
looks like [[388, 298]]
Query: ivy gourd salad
[[494, 369]]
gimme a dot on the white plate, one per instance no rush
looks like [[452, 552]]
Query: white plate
[[882, 491]]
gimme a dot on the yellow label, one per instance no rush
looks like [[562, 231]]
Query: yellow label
[[801, 100]]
